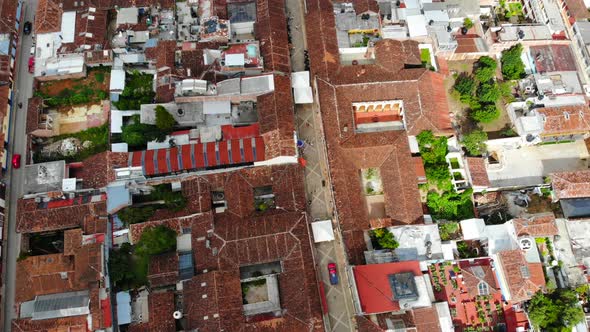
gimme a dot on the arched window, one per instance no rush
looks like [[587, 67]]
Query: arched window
[[483, 289]]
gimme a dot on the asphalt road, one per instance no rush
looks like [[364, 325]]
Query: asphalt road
[[17, 144]]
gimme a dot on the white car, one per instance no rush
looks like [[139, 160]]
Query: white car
[[33, 50]]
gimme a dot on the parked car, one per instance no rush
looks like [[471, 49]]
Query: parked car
[[32, 50], [333, 273], [31, 64], [28, 27], [16, 161]]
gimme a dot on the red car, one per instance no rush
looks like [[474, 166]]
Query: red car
[[16, 161], [32, 64], [333, 273]]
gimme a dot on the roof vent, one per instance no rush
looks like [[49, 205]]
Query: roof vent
[[180, 112], [177, 315]]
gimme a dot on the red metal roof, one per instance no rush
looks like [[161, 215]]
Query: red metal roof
[[201, 155], [373, 285], [231, 132]]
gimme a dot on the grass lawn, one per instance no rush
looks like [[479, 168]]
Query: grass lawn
[[425, 55]]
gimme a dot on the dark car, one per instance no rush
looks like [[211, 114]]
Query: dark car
[[27, 28], [16, 161], [333, 273]]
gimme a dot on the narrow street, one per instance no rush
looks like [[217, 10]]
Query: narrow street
[[340, 316], [23, 91]]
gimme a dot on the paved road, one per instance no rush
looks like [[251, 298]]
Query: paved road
[[340, 316], [23, 91]]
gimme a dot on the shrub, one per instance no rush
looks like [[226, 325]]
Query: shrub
[[384, 238], [447, 229], [164, 120], [486, 114], [99, 77], [474, 142], [468, 23], [512, 65], [450, 205], [138, 90], [137, 134]]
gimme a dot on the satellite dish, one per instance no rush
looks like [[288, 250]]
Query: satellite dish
[[177, 315]]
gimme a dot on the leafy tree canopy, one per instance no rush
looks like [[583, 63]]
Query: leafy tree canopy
[[474, 142], [512, 65], [464, 84], [488, 92], [450, 205], [135, 215], [164, 120], [155, 241], [485, 114], [558, 311], [468, 23], [385, 238], [137, 134], [485, 69]]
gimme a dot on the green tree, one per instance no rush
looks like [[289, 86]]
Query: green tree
[[464, 84], [468, 23], [439, 175], [450, 205], [155, 241], [385, 238], [558, 311], [512, 65], [137, 134], [474, 142], [488, 92], [485, 114], [135, 215], [164, 120], [485, 69], [120, 263]]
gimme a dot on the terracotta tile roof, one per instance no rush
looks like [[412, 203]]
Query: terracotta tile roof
[[48, 17], [363, 324], [163, 270], [475, 273], [36, 217], [565, 120], [69, 324], [40, 275], [271, 32], [540, 225], [8, 12], [522, 277], [234, 242], [550, 58], [466, 45], [477, 171], [577, 9], [574, 184], [161, 308], [98, 170], [223, 299], [34, 106], [275, 117]]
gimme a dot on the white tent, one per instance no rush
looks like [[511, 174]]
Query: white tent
[[322, 231]]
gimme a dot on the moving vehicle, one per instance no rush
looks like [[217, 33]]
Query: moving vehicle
[[16, 161], [333, 273], [28, 27]]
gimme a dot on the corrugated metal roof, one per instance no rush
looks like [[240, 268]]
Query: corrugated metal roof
[[199, 156], [61, 305]]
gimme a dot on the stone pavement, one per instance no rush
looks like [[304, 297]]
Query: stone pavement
[[340, 315]]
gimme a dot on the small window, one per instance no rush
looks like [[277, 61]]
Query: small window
[[483, 289]]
